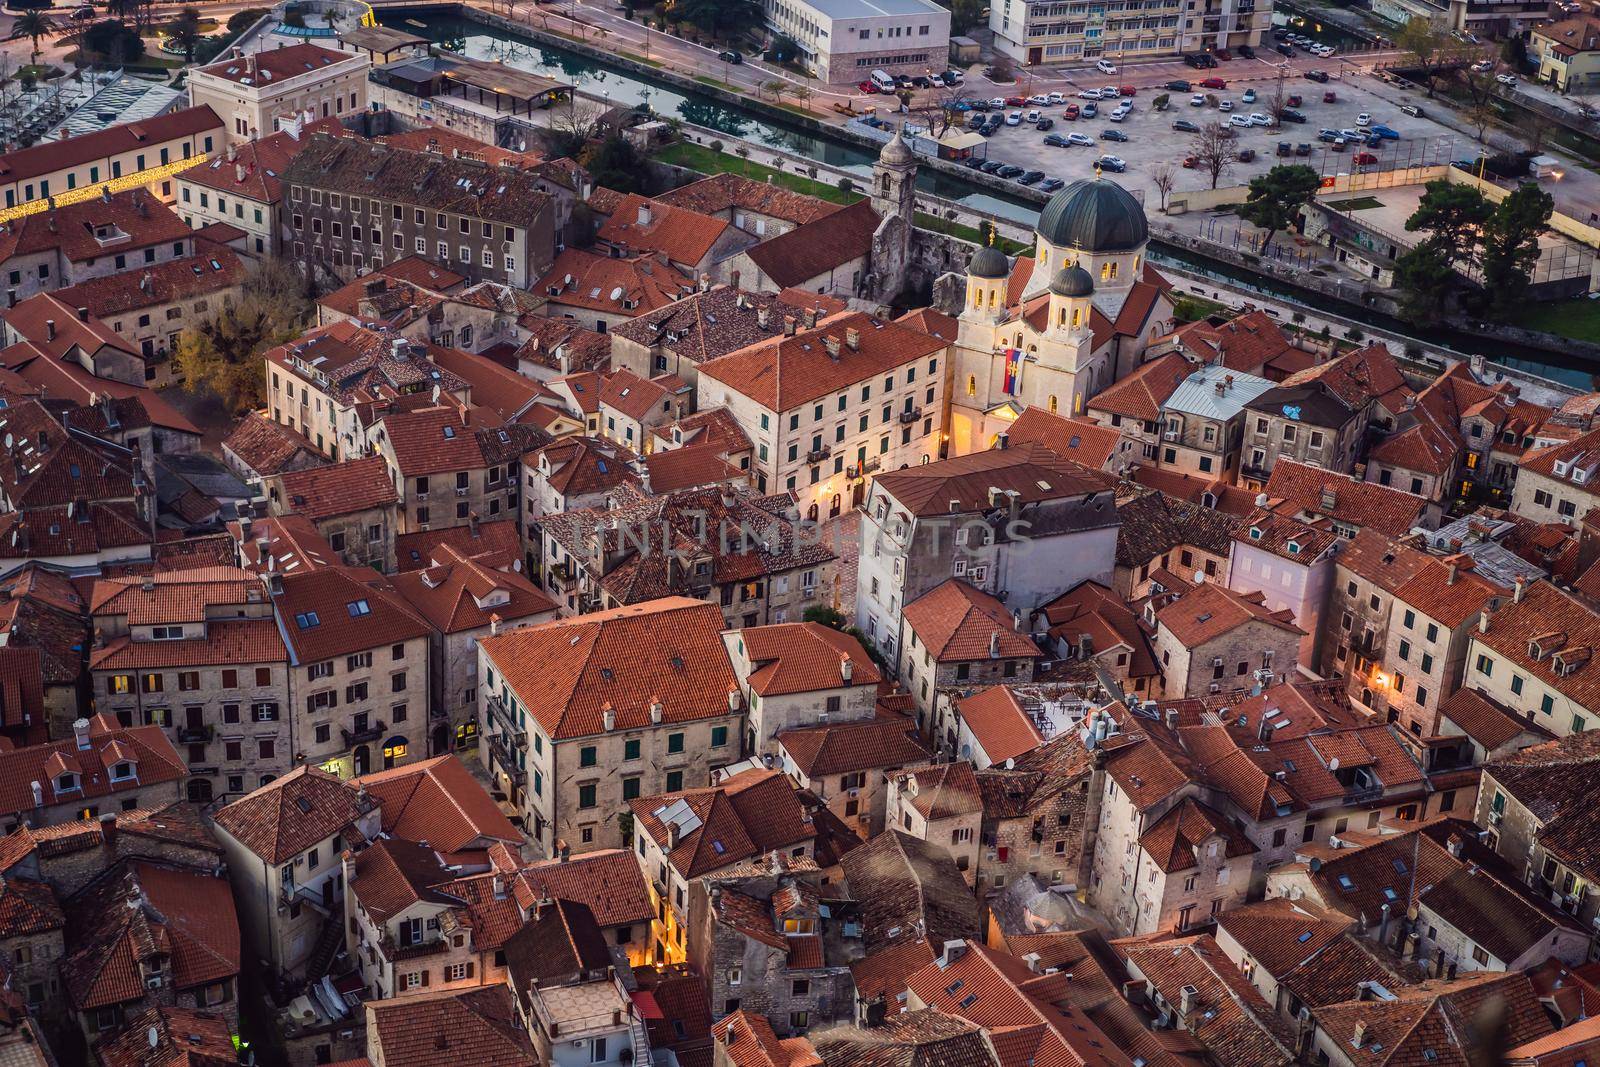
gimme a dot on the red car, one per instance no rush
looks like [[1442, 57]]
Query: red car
[[1363, 158], [1330, 97], [1071, 114], [1214, 83], [1190, 162], [867, 87], [1222, 54], [1129, 90], [1294, 100], [1015, 101]]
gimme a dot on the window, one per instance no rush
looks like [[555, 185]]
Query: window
[[675, 742], [630, 749], [1485, 665], [597, 1050], [587, 756], [586, 795], [719, 737]]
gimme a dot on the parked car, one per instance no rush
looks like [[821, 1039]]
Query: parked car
[[1293, 100], [1330, 97], [1128, 90], [1302, 149], [1080, 139], [1197, 100], [991, 166], [1190, 162], [1291, 115], [1055, 140], [867, 87], [1033, 116], [1177, 86], [978, 105], [1039, 98], [1009, 171], [1246, 51], [954, 77], [1318, 76], [1109, 92], [922, 81], [1285, 148], [1058, 97], [1506, 79], [1364, 119], [1327, 136], [1353, 135], [1105, 66], [1223, 54], [1249, 96], [730, 56], [1090, 111], [1240, 121], [1045, 123], [1411, 109], [1071, 114], [1113, 135], [1185, 126], [974, 121], [1245, 155], [1338, 144], [1015, 101], [1386, 132], [1030, 177], [1118, 114], [997, 103], [1363, 159], [1258, 119], [972, 162], [1050, 185], [1482, 66], [1088, 94], [1214, 83], [1014, 119], [1112, 163], [1224, 105], [1284, 48]]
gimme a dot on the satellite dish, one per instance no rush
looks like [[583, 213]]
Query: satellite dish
[[616, 293]]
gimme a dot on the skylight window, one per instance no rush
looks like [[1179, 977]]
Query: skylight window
[[954, 987], [359, 608], [449, 433], [1399, 866], [1390, 894], [307, 620], [969, 1000], [1303, 938], [1345, 883]]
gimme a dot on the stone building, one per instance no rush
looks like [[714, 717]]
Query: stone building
[[447, 470], [352, 505], [799, 674], [103, 766], [1036, 816], [255, 95], [1211, 639], [847, 765], [939, 803]]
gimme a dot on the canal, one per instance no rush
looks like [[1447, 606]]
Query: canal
[[477, 41]]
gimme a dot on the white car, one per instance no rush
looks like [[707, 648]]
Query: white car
[[1109, 92], [1483, 66], [1241, 121], [1364, 119], [1058, 98], [1031, 117], [1224, 105], [1105, 66], [1258, 119], [1079, 139], [1014, 119], [1322, 50], [1353, 135], [1086, 94], [1505, 79], [1039, 98], [1119, 114], [1197, 100], [996, 103]]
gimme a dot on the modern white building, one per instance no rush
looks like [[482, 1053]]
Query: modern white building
[[1049, 31], [844, 41], [256, 94]]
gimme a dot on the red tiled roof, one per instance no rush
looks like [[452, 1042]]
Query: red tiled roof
[[157, 764], [998, 722], [92, 229], [271, 65], [213, 271], [459, 593], [1070, 438], [1302, 488], [169, 1036], [438, 801], [799, 657], [292, 813], [609, 882], [473, 1026], [748, 1040], [846, 747], [494, 544], [1173, 841], [640, 284], [49, 156], [796, 257], [268, 447], [255, 171], [1139, 395], [725, 192], [682, 235], [1247, 342], [339, 488], [1230, 1018], [746, 816], [334, 611], [1032, 471], [958, 622], [940, 790]]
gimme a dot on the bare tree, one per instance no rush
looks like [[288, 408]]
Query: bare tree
[[1278, 92], [1164, 177], [1427, 46], [1481, 114], [942, 110], [1537, 128], [1213, 151]]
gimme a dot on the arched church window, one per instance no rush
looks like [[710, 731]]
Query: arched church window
[[1061, 317], [1113, 266], [1019, 338], [992, 294], [1077, 317], [977, 298], [1136, 260], [1044, 256], [972, 385], [886, 182], [1077, 404], [1105, 272], [1053, 404], [1033, 348]]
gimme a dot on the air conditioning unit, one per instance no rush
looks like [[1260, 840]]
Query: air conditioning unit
[[153, 982], [1496, 818], [1171, 435]]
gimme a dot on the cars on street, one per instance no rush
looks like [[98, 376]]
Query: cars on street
[[1045, 123], [1214, 83], [1411, 109], [1112, 163], [1302, 149], [1364, 119], [1363, 159], [1224, 105], [1289, 114], [1058, 98], [1319, 76], [1241, 121], [1197, 100], [1033, 116], [1105, 66], [1482, 66], [1030, 177], [1258, 119], [1249, 96], [1050, 185], [1177, 86], [1014, 119], [991, 166], [1009, 171], [1388, 133], [1285, 148], [1090, 111], [1071, 113], [1088, 94], [1055, 140], [997, 103]]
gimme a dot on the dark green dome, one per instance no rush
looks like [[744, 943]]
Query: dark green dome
[[1072, 281], [1094, 215], [990, 262]]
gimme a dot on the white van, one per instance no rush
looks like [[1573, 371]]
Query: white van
[[882, 80]]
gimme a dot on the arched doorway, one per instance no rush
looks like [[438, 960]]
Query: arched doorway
[[200, 790], [811, 513], [361, 759], [833, 510], [441, 740], [394, 750]]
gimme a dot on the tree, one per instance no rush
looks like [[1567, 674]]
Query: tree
[[184, 31], [1453, 215], [719, 16], [783, 48], [33, 25], [823, 615], [1511, 245], [569, 129], [222, 352], [616, 164], [1425, 277], [240, 21], [777, 87], [802, 94], [1426, 45], [1164, 177], [1537, 127], [112, 40], [1277, 196], [1212, 149], [1002, 69], [964, 14]]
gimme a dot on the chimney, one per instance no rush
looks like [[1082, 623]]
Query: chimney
[[994, 644], [1002, 440], [1360, 1036], [644, 214], [953, 950], [1521, 587], [656, 709], [494, 624], [1330, 499], [788, 325], [80, 733], [846, 669], [761, 317], [472, 523], [674, 835], [1186, 1002], [1172, 718], [733, 698], [108, 831], [1451, 580], [38, 794], [705, 283], [1454, 845], [50, 329], [608, 716], [83, 314], [852, 338], [1483, 621], [831, 343], [811, 318]]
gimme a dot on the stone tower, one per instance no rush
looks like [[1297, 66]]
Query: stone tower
[[894, 180]]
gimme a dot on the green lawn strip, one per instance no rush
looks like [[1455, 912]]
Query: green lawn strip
[[1578, 319], [1358, 203]]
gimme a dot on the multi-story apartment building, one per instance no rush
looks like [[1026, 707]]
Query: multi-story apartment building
[[198, 652], [1310, 423], [1291, 564], [350, 505], [447, 471], [257, 94], [583, 715], [131, 155], [352, 207], [103, 766], [1367, 573], [358, 678], [1210, 639], [1202, 422], [799, 674], [828, 405], [1559, 484], [939, 803], [845, 43], [962, 518], [1054, 32], [844, 764], [242, 185], [321, 384], [282, 843], [1535, 654]]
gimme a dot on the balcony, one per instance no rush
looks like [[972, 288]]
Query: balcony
[[501, 716], [1363, 794], [873, 464], [504, 760], [563, 572], [363, 737], [396, 952], [817, 455], [194, 735], [910, 416]]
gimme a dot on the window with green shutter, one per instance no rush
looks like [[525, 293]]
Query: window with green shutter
[[675, 742]]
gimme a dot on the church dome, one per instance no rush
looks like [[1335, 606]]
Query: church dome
[[896, 152], [990, 262], [1072, 281], [1094, 215]]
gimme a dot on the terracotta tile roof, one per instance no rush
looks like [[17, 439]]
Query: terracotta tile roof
[[174, 596], [339, 488], [667, 650], [923, 1038], [91, 229], [1246, 342], [255, 171], [640, 284], [786, 372], [682, 235], [495, 389], [169, 1036], [1569, 631], [1281, 934], [1384, 562], [796, 257], [267, 447], [1432, 1022], [226, 643], [725, 192], [909, 890], [843, 748], [496, 545], [1148, 770], [746, 816], [1140, 394], [881, 975], [477, 1026], [292, 813], [940, 790], [156, 764], [70, 382], [28, 907], [49, 156], [799, 657], [1214, 494], [461, 187], [998, 721], [1298, 488], [45, 466], [1070, 438], [934, 323], [440, 802], [458, 593], [637, 398], [334, 611], [433, 440], [1211, 610], [141, 909], [214, 271], [676, 469], [748, 1040], [561, 344], [1578, 457], [1091, 610], [1286, 537], [391, 875], [1358, 377], [581, 466], [1173, 840], [1152, 524], [609, 882], [709, 323], [1230, 1017], [1032, 470], [957, 622], [276, 64]]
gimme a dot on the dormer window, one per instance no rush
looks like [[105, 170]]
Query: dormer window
[[1255, 533], [122, 772], [66, 782], [1294, 548]]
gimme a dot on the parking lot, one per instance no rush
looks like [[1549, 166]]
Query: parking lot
[[1152, 141]]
